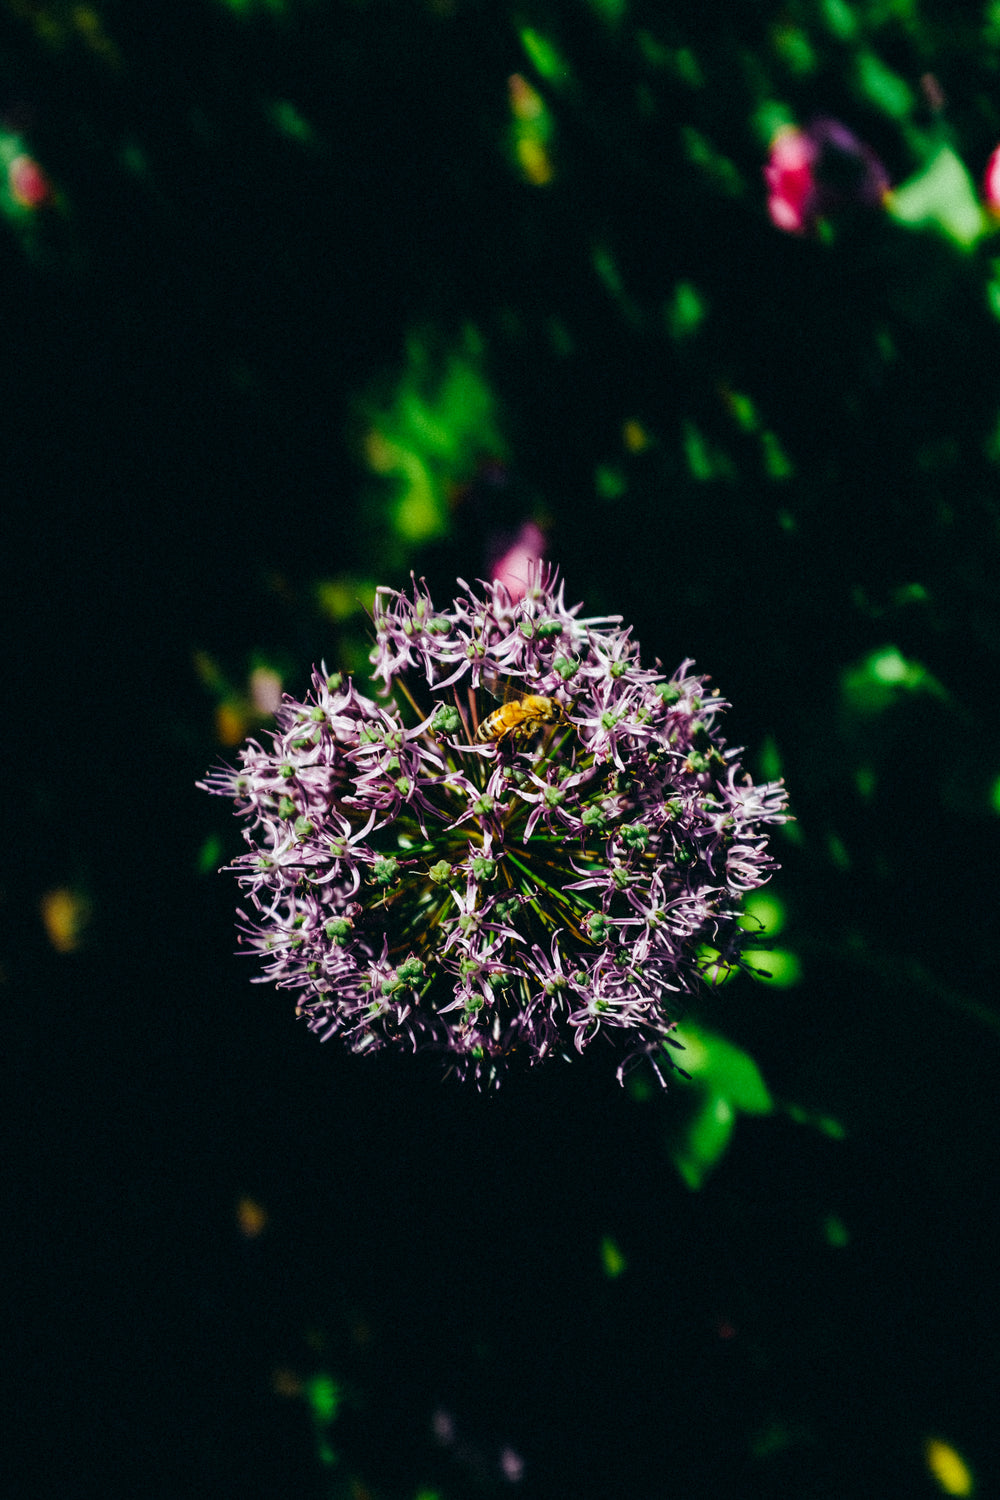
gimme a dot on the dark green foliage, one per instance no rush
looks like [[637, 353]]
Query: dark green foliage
[[298, 296]]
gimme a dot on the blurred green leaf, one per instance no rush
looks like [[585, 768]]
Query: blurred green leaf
[[770, 117], [611, 11], [796, 51], [609, 483], [952, 1473], [742, 410], [777, 464], [686, 311], [209, 855], [941, 196], [705, 1140], [428, 436], [287, 119], [248, 8], [704, 459], [721, 172], [546, 59], [612, 1259], [841, 19], [874, 684], [825, 1124], [324, 1395], [763, 913], [883, 87], [775, 966], [835, 1232], [723, 1069]]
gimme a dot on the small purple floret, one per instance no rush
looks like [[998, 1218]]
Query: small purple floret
[[511, 900]]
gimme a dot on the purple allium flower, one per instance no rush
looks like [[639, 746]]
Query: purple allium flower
[[511, 889]]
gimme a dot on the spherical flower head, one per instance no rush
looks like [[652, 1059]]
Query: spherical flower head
[[816, 173], [503, 881]]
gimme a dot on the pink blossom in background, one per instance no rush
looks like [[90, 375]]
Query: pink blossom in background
[[991, 182], [265, 690], [513, 567], [813, 174], [443, 1427], [28, 184], [511, 1465], [789, 179]]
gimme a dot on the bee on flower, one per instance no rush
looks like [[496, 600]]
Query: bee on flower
[[502, 884], [520, 714]]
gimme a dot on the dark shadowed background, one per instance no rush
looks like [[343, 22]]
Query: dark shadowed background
[[300, 295]]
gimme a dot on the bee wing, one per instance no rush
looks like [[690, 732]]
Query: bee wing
[[499, 687]]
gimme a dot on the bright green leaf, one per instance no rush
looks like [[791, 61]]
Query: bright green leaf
[[840, 19], [883, 87], [713, 968], [770, 117], [544, 56], [324, 1395], [941, 196], [723, 1069], [775, 966], [883, 677], [796, 51], [704, 1142], [763, 913]]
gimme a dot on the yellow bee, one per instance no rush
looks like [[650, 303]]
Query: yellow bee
[[520, 715]]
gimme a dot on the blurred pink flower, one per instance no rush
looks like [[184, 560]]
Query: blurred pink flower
[[511, 1465], [28, 184], [814, 173], [265, 690], [991, 182], [789, 179], [519, 561]]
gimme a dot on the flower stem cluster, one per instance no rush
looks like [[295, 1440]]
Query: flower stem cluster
[[427, 870]]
